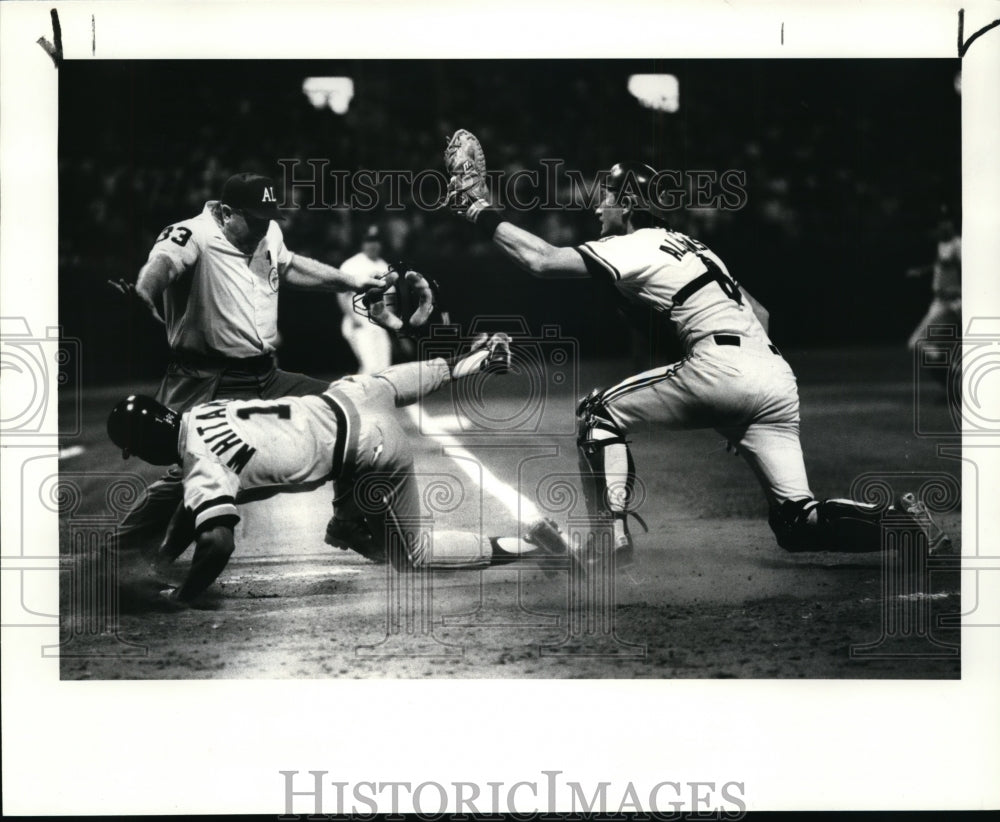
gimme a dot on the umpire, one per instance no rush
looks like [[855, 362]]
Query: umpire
[[213, 281]]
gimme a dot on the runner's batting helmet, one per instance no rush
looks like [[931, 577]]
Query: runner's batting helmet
[[140, 425]]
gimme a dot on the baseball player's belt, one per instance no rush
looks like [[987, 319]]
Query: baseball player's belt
[[345, 446], [733, 339]]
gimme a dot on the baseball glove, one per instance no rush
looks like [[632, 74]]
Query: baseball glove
[[384, 305], [465, 164]]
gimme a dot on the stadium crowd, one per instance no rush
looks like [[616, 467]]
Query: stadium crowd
[[837, 197]]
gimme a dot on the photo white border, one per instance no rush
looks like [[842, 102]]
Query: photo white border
[[217, 746]]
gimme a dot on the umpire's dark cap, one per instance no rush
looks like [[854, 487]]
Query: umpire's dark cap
[[252, 193]]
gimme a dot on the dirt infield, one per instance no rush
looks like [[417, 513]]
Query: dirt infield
[[712, 595]]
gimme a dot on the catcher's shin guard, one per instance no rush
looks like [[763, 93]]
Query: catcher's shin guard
[[607, 469], [827, 525]]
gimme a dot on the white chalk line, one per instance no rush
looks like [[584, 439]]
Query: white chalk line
[[264, 576], [520, 507], [918, 595]]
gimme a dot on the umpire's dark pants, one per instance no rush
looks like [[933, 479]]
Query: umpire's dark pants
[[187, 383]]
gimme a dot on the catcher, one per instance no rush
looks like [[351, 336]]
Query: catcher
[[349, 433], [731, 378]]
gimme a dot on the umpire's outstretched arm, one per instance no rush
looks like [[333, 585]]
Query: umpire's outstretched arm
[[305, 272]]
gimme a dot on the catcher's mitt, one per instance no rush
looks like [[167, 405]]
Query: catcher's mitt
[[465, 164], [403, 290]]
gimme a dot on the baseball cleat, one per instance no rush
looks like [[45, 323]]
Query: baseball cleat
[[546, 535], [168, 600], [938, 542], [624, 548], [623, 557], [624, 552], [353, 535]]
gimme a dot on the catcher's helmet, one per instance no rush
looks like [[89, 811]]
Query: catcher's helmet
[[634, 180], [140, 425]]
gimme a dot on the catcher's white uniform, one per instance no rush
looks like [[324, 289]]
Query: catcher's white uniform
[[731, 377], [369, 342]]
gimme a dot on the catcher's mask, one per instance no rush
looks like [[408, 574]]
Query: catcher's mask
[[406, 304], [634, 181], [140, 425]]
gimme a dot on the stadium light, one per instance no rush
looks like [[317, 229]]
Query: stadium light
[[656, 91], [334, 93]]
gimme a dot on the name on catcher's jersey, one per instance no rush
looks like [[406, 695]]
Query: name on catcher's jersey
[[220, 301], [680, 277], [228, 446]]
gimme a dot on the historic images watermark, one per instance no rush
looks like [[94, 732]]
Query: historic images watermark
[[313, 184], [544, 376], [956, 394], [549, 792], [541, 389], [909, 563], [35, 368]]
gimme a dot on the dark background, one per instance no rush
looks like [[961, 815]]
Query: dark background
[[849, 164]]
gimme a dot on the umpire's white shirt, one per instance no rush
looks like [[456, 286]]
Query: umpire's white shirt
[[221, 302]]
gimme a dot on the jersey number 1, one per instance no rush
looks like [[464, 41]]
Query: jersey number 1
[[284, 412]]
